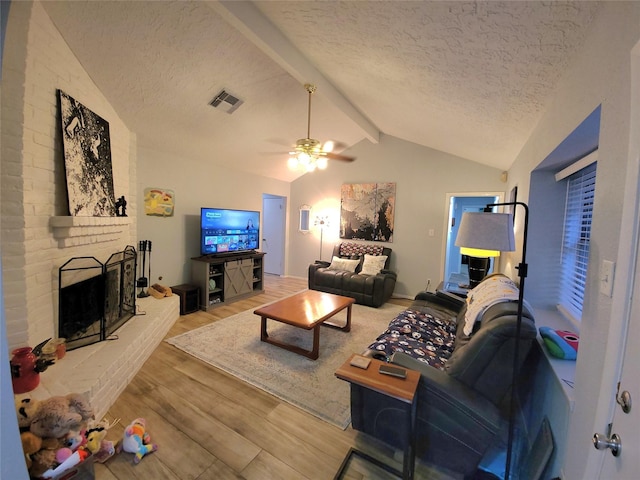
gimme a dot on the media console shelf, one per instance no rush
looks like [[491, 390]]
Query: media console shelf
[[228, 278]]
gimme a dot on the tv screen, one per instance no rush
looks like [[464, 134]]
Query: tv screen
[[228, 231]]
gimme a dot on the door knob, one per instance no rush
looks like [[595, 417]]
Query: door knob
[[614, 443]]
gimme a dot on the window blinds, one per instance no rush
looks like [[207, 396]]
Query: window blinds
[[576, 238]]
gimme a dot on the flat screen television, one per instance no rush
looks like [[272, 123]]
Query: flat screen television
[[225, 231]]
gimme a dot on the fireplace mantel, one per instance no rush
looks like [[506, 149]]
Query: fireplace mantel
[[76, 231]]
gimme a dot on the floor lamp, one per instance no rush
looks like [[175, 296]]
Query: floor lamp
[[322, 222], [494, 231]]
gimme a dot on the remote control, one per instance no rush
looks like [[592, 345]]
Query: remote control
[[393, 371], [360, 362]]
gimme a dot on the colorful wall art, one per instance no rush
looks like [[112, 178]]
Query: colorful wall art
[[158, 202], [367, 211]]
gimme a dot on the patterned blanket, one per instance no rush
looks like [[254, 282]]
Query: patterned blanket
[[421, 335]]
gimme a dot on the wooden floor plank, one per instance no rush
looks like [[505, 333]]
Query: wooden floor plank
[[267, 467]]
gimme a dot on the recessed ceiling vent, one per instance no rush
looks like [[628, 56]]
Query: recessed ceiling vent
[[226, 102]]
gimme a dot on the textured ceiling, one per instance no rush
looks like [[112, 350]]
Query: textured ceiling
[[468, 78]]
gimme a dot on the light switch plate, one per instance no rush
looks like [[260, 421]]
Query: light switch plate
[[607, 272]]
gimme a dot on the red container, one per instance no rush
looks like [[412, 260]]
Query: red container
[[23, 370]]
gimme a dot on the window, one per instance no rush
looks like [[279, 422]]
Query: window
[[576, 239]]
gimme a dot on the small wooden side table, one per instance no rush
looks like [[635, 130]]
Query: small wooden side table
[[189, 295], [404, 390]]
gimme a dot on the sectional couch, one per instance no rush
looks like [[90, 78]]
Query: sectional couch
[[465, 378]]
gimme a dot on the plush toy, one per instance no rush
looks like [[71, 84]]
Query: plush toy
[[95, 436], [101, 448], [56, 416], [30, 444], [137, 440], [105, 452], [25, 410], [42, 461], [63, 454], [74, 439]]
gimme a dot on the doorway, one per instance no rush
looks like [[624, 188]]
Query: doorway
[[457, 203], [274, 208]]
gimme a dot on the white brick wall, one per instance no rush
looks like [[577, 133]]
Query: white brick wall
[[33, 181], [37, 235]]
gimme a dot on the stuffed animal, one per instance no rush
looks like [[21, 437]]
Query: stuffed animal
[[30, 444], [56, 416], [105, 452], [45, 458], [25, 410], [95, 436], [137, 440], [74, 439]]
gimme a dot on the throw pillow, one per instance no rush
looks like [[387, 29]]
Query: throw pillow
[[338, 263], [373, 264]]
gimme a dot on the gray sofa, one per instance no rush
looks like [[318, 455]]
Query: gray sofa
[[370, 290], [464, 383]]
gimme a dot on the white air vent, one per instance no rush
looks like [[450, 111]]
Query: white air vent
[[226, 102]]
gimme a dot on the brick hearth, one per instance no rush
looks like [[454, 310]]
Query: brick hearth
[[103, 370]]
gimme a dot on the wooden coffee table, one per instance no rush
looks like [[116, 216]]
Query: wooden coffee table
[[307, 310]]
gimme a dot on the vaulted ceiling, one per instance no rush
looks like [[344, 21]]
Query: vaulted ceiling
[[468, 78]]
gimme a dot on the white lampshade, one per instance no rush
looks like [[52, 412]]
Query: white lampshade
[[486, 231]]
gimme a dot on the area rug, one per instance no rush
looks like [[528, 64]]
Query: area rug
[[233, 345]]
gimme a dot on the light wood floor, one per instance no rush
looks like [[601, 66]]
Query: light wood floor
[[211, 426]]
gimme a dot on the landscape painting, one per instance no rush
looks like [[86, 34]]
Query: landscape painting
[[367, 211], [87, 159]]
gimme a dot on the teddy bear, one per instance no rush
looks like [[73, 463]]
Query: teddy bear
[[25, 410], [57, 416], [40, 454], [30, 444], [137, 440]]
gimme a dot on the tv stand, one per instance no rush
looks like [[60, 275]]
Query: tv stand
[[225, 278]]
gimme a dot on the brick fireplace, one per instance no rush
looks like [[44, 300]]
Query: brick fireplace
[[38, 236], [102, 370]]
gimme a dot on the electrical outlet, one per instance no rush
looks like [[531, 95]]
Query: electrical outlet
[[607, 272]]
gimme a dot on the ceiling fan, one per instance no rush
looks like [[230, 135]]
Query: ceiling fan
[[309, 153]]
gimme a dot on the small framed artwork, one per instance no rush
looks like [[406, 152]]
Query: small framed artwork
[[158, 202]]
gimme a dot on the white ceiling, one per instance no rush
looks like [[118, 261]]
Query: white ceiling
[[467, 78]]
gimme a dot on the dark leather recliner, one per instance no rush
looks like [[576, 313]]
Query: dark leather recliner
[[460, 411], [370, 290]]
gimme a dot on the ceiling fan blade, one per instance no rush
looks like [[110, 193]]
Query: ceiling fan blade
[[338, 156], [279, 141]]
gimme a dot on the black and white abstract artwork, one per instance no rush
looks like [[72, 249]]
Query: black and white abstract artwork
[[87, 159], [367, 211]]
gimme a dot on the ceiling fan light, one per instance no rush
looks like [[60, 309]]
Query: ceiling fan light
[[328, 146], [322, 163], [304, 157], [292, 163]]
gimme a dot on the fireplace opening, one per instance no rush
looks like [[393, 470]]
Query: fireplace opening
[[95, 299]]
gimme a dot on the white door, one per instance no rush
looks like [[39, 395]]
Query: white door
[[626, 304], [273, 229]]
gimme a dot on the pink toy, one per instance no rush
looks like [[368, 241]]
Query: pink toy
[[63, 454], [137, 440]]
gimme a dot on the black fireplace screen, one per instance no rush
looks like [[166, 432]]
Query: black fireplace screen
[[95, 299]]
